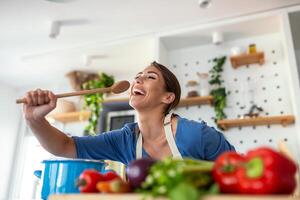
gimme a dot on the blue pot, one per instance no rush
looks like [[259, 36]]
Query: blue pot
[[59, 176]]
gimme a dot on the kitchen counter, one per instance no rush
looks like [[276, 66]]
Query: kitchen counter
[[140, 197]]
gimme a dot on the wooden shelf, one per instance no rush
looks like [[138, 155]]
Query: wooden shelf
[[84, 115], [284, 120], [116, 100], [70, 116], [192, 101], [247, 59]]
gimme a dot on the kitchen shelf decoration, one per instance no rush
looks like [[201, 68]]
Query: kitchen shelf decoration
[[218, 92], [84, 115], [192, 87], [247, 59], [93, 102], [284, 120]]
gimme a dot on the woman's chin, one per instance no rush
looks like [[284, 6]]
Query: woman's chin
[[134, 103], [138, 104]]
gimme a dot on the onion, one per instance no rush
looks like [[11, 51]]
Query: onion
[[138, 170]]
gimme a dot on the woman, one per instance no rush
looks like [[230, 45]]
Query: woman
[[157, 134]]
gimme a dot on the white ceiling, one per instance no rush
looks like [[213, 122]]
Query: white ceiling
[[29, 58], [230, 31]]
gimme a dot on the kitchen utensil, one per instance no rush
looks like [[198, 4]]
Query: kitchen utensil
[[60, 176], [116, 88]]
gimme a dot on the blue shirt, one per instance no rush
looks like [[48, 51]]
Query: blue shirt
[[193, 139]]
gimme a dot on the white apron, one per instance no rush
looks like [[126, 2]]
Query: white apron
[[169, 136]]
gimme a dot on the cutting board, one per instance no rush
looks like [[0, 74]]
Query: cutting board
[[140, 197]]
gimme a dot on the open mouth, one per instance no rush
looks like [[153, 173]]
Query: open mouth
[[138, 92]]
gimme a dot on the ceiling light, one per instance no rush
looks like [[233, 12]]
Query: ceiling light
[[57, 24], [204, 3]]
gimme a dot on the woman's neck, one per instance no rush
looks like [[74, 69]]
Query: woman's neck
[[151, 124]]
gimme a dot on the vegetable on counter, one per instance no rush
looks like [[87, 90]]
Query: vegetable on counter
[[88, 180], [108, 176], [92, 181], [113, 186], [225, 170], [112, 183], [260, 171], [137, 171], [179, 179]]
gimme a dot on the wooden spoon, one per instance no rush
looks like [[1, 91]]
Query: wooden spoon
[[116, 88]]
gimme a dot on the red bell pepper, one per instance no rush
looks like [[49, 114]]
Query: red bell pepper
[[266, 172], [225, 169], [261, 171], [108, 176], [88, 180]]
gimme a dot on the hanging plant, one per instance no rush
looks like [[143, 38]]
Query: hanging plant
[[218, 92], [93, 102]]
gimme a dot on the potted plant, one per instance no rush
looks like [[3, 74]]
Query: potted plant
[[218, 92], [93, 102]]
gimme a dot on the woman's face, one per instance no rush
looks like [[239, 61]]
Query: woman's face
[[148, 90]]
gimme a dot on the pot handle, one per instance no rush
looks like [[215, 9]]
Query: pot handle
[[38, 173]]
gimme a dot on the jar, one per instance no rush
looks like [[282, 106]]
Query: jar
[[237, 50], [204, 85], [252, 48], [192, 87]]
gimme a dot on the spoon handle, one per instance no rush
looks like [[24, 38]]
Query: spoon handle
[[78, 93]]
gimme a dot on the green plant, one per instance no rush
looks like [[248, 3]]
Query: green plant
[[218, 92], [93, 102]]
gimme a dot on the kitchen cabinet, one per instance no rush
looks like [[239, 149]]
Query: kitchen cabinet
[[139, 197]]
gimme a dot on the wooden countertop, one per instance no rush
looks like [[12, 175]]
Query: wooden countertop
[[140, 197]]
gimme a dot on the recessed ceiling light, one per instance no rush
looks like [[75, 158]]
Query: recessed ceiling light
[[204, 3]]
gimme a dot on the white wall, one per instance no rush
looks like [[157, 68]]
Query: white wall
[[268, 82], [297, 52], [9, 118]]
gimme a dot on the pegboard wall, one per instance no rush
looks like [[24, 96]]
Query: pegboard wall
[[265, 86]]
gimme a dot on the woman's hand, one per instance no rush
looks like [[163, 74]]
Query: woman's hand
[[38, 104]]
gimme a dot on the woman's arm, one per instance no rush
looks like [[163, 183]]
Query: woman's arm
[[38, 104]]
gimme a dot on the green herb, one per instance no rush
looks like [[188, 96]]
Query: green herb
[[219, 91], [184, 191], [93, 102], [179, 179]]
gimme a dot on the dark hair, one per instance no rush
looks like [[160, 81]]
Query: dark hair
[[171, 82]]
